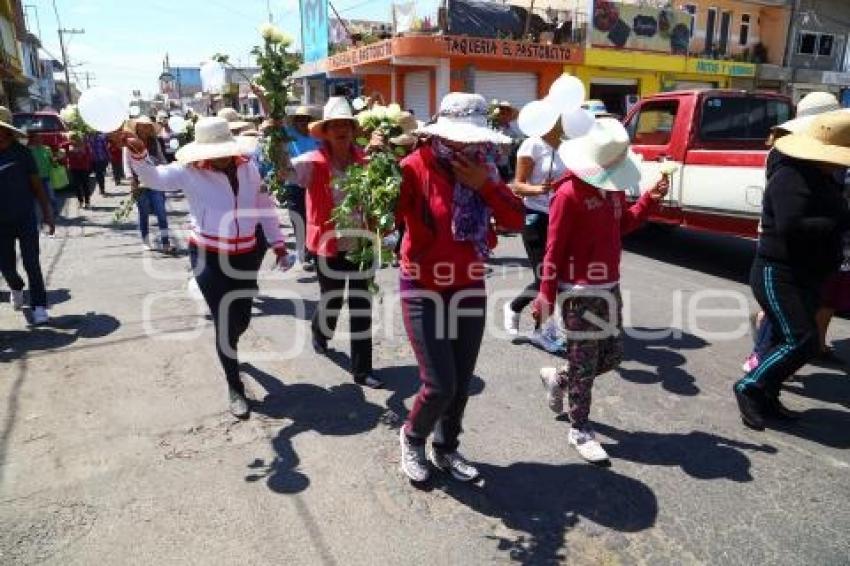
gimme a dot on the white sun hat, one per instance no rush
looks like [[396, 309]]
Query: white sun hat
[[603, 158], [336, 108], [232, 117], [7, 123], [213, 140], [811, 105], [463, 118]]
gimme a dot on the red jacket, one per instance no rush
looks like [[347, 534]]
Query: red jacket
[[429, 253], [586, 226], [80, 159], [320, 202]]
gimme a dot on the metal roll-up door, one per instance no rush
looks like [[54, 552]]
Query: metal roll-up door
[[417, 94], [517, 88]]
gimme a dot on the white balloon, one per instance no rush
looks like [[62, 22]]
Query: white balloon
[[135, 111], [212, 76], [102, 109], [577, 122], [566, 93], [177, 124], [174, 144], [537, 118]]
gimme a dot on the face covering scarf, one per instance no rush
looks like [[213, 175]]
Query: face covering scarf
[[470, 214]]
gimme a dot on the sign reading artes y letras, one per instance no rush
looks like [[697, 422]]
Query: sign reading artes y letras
[[642, 28]]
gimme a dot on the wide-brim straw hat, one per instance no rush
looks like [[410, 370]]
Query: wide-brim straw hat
[[505, 105], [6, 122], [302, 111], [337, 108], [602, 157], [826, 140], [213, 140], [463, 118]]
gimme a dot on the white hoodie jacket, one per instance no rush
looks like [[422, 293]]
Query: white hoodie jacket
[[222, 221]]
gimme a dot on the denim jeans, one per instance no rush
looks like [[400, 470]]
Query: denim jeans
[[32, 265], [153, 201]]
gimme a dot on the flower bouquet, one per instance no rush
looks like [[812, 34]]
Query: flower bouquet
[[76, 125], [371, 190]]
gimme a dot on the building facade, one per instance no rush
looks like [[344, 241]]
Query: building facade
[[13, 82]]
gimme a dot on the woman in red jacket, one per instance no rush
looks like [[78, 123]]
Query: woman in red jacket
[[80, 166], [588, 217], [321, 172], [450, 193]]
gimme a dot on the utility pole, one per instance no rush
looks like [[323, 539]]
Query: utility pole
[[89, 77], [62, 33], [269, 9]]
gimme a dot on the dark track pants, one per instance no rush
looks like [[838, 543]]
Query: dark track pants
[[534, 235], [229, 299], [32, 265], [445, 331], [790, 307]]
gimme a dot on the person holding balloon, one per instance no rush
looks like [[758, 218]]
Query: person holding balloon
[[147, 200], [538, 166], [226, 203]]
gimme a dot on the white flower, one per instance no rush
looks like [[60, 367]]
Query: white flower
[[364, 117], [379, 112], [394, 112], [669, 168], [284, 38], [269, 31], [69, 113]]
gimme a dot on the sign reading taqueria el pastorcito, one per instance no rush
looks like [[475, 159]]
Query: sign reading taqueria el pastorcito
[[455, 47]]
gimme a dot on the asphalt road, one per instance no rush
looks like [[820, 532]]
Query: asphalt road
[[115, 446]]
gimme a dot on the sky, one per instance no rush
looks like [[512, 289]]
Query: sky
[[125, 41]]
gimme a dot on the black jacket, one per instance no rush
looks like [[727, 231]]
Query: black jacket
[[804, 216]]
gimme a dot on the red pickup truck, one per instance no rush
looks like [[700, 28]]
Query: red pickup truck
[[48, 126], [717, 141]]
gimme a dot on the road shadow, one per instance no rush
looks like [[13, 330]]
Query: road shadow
[[826, 387], [699, 454], [403, 383], [341, 410], [660, 348], [699, 251], [828, 427], [54, 297], [544, 501], [61, 331], [287, 306]]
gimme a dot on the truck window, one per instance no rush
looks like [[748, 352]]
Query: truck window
[[653, 123], [741, 117]]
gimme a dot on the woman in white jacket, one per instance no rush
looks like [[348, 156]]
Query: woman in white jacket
[[226, 204]]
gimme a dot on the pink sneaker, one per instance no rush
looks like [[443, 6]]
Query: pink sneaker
[[751, 363]]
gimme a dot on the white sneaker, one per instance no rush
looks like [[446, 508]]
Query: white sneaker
[[40, 315], [413, 461], [454, 464], [17, 300], [554, 393], [511, 320], [584, 441]]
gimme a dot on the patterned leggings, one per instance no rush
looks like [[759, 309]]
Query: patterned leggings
[[594, 332]]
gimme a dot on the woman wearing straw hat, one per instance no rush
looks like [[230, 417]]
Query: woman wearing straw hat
[[450, 192], [804, 215], [21, 189], [148, 201], [322, 171], [581, 271], [226, 205]]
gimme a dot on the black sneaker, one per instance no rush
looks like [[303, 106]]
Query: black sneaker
[[320, 346], [751, 405], [774, 408], [455, 464], [369, 380]]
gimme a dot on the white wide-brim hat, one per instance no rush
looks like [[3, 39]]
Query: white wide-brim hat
[[810, 106], [463, 118], [213, 140], [337, 108], [603, 158]]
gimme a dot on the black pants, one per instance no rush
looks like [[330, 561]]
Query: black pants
[[117, 170], [296, 204], [28, 240], [790, 307], [445, 331], [534, 238], [80, 182], [228, 284], [334, 273], [100, 175]]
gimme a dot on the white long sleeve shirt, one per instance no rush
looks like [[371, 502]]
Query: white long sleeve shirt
[[223, 220]]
